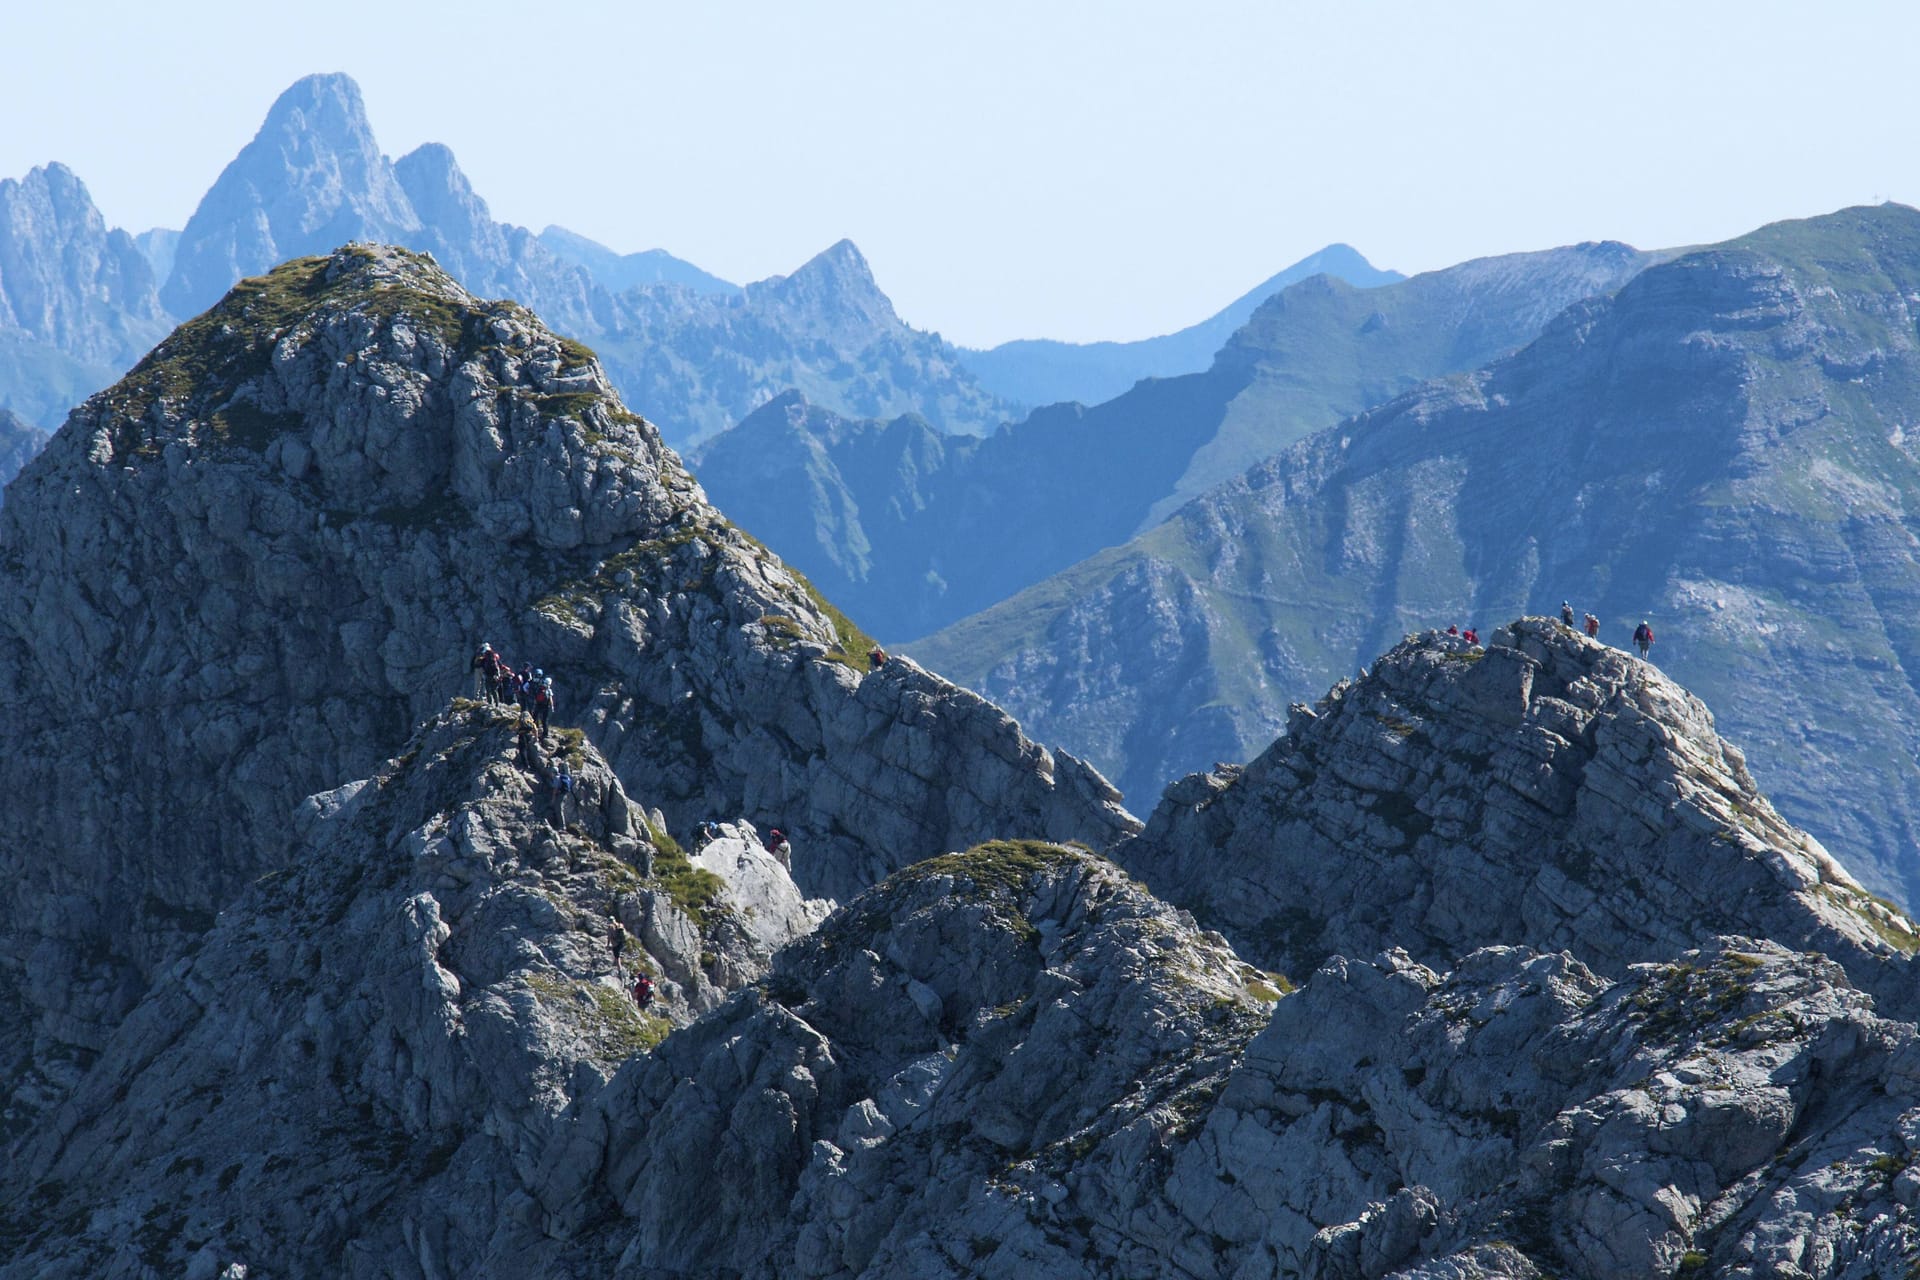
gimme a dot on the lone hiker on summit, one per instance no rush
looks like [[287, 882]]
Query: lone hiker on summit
[[1643, 637]]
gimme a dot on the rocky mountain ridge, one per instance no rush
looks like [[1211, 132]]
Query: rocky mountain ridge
[[1723, 447], [871, 1107], [913, 530], [1544, 790], [259, 1026], [348, 474]]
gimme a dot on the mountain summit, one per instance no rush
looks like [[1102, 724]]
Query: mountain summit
[[348, 474]]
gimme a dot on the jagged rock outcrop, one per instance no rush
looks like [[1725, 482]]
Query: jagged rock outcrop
[[1544, 790], [246, 572], [1724, 446], [1738, 1111], [405, 1053], [371, 1040], [915, 1079]]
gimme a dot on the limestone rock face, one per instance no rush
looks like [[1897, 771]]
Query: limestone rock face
[[405, 1054], [1544, 789], [920, 1076], [247, 572], [371, 1040]]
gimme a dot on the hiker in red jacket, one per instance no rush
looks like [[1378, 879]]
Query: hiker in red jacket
[[1643, 636], [1593, 626]]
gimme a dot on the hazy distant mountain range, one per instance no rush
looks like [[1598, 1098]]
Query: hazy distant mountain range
[[79, 303], [622, 271], [1727, 447], [913, 530], [1042, 371]]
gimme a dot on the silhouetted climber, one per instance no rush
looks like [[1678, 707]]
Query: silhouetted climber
[[1593, 626], [1643, 637], [543, 704], [486, 672], [1566, 613]]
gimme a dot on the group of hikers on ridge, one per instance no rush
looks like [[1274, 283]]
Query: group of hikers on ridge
[[1642, 634], [529, 688]]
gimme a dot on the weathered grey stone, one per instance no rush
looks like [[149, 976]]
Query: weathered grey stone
[[192, 636], [1553, 792]]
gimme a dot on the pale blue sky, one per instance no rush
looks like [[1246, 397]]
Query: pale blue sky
[[1059, 169]]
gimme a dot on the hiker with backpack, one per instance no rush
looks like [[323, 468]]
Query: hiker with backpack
[[642, 991], [1593, 627], [486, 672], [776, 844], [560, 787], [1643, 637], [543, 705], [705, 834], [1566, 614]]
